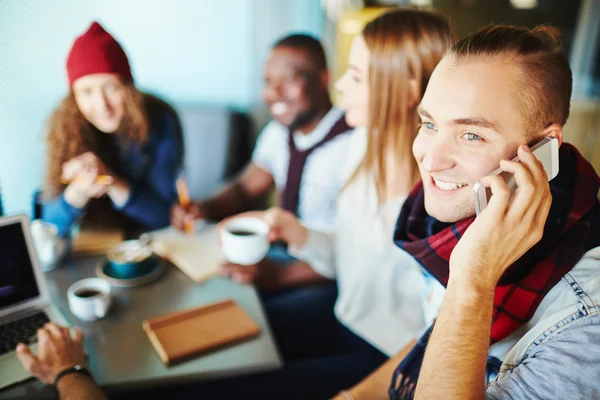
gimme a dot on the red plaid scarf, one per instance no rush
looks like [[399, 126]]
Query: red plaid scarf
[[568, 233], [572, 228]]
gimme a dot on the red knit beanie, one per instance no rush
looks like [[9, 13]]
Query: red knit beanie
[[97, 52]]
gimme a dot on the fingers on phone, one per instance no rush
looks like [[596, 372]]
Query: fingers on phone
[[500, 194], [536, 168], [531, 182]]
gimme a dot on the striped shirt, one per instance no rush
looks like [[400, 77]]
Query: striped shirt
[[321, 178]]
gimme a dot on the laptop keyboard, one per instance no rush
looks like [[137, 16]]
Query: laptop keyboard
[[23, 330]]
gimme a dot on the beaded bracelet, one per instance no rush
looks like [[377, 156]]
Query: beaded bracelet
[[76, 369]]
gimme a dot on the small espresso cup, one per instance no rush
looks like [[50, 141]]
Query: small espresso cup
[[89, 299], [245, 240]]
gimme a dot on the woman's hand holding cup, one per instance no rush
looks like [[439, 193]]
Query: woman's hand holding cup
[[282, 226], [285, 226], [245, 240]]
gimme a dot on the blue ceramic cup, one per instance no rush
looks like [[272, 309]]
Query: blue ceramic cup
[[131, 259]]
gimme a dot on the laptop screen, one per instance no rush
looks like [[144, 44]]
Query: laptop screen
[[17, 277]]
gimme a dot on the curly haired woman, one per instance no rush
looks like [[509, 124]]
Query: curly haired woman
[[111, 147]]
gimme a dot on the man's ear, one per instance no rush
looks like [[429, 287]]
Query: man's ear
[[554, 130], [413, 93], [325, 77]]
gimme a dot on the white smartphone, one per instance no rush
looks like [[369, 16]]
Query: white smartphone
[[545, 150]]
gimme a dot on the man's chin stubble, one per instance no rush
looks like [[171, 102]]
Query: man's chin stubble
[[450, 216]]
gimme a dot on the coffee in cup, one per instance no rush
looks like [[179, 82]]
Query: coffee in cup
[[245, 240], [87, 293], [89, 299], [241, 233]]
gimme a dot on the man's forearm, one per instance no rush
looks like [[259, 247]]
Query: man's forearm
[[232, 199], [77, 387], [376, 385], [456, 355]]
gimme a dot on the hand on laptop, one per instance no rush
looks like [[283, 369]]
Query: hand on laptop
[[57, 351]]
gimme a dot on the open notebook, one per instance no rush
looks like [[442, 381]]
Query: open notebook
[[198, 256]]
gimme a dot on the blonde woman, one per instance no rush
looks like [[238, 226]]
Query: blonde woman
[[379, 304]]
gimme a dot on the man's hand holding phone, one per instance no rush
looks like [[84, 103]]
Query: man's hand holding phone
[[546, 151], [508, 227]]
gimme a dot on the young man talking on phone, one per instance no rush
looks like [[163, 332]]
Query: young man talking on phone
[[521, 317]]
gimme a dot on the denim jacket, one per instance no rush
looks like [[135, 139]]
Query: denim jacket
[[548, 356]]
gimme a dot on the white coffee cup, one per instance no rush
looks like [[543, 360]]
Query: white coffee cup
[[245, 240], [89, 299]]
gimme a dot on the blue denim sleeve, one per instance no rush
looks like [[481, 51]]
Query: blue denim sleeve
[[565, 366], [151, 198], [60, 213]]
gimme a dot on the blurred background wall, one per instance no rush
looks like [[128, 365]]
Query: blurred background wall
[[188, 51], [212, 52]]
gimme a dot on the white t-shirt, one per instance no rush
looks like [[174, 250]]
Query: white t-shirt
[[321, 181], [383, 293]]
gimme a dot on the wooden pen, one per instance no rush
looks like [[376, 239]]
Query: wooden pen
[[184, 200]]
